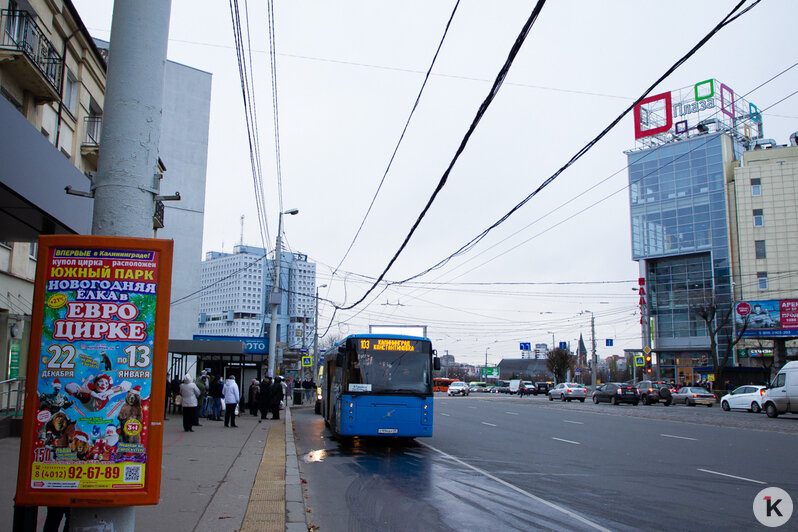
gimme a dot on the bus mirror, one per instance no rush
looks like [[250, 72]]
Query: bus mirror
[[436, 363], [339, 360]]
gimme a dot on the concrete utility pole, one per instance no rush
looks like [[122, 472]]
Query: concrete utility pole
[[593, 342], [126, 184], [276, 296], [316, 336]]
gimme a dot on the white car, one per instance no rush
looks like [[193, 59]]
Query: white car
[[747, 397], [458, 388]]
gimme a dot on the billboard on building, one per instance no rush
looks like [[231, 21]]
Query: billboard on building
[[706, 106], [93, 423], [767, 318]]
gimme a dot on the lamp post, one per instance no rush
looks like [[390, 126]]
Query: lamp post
[[486, 362], [593, 344], [316, 336], [275, 298]]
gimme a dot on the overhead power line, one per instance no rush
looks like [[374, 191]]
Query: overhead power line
[[402, 136], [480, 113], [471, 243]]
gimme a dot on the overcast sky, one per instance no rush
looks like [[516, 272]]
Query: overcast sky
[[348, 74]]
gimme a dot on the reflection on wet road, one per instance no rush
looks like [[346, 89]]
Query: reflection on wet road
[[360, 484]]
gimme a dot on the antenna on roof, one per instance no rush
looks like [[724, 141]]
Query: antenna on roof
[[242, 231]]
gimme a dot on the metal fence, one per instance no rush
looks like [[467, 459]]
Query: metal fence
[[12, 396], [94, 126], [20, 32]]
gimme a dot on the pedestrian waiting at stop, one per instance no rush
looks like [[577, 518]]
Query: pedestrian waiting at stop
[[253, 397], [276, 393], [231, 399], [265, 399], [307, 389]]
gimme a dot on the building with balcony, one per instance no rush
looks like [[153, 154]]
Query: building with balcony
[[52, 86], [52, 78]]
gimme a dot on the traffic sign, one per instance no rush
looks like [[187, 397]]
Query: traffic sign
[[307, 362], [563, 345], [639, 361], [608, 342], [490, 372], [526, 346]]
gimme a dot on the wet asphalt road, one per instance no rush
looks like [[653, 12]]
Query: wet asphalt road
[[509, 463]]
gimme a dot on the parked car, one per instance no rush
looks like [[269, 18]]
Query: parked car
[[782, 394], [693, 395], [458, 388], [542, 387], [747, 397], [615, 393], [567, 391], [655, 391]]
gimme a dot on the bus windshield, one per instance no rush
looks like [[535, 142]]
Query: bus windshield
[[390, 366]]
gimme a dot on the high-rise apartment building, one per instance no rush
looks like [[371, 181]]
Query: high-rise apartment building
[[232, 302]]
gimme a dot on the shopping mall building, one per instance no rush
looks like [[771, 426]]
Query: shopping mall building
[[713, 219]]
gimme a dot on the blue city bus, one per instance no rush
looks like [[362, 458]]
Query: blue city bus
[[379, 385]]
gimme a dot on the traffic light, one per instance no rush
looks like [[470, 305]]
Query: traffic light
[[647, 365]]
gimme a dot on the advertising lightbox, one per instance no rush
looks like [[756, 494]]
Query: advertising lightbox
[[93, 419], [769, 318]]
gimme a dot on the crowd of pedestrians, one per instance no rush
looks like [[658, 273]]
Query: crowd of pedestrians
[[212, 398]]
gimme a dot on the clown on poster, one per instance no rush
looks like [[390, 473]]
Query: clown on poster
[[95, 370]]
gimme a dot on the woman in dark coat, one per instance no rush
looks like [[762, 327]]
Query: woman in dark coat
[[265, 397], [253, 397], [276, 392]]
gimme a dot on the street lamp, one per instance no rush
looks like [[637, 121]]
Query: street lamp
[[275, 298], [593, 343], [486, 362], [316, 336]]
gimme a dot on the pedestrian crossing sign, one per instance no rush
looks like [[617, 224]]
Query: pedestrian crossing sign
[[307, 362]]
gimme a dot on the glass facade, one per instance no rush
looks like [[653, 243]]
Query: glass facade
[[680, 227], [674, 285]]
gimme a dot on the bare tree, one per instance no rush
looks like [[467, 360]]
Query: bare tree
[[559, 362], [329, 341], [718, 318]]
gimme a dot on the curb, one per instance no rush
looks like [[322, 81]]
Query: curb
[[295, 511]]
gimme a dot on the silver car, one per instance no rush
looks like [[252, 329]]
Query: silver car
[[567, 391], [458, 388]]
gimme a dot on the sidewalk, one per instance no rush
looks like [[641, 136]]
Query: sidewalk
[[215, 478]]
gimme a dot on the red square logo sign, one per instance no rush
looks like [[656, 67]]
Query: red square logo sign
[[653, 115]]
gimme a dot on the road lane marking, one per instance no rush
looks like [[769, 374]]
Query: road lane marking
[[678, 437], [566, 441], [574, 422], [489, 424], [569, 513], [732, 476], [512, 413], [447, 415], [472, 407]]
